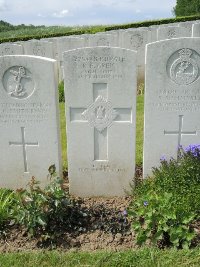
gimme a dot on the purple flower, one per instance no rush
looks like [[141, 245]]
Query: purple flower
[[145, 203], [163, 158], [194, 149], [124, 213]]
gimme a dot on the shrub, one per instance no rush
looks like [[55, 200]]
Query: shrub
[[165, 204], [37, 208]]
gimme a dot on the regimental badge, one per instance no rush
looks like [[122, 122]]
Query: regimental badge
[[184, 70], [100, 114], [18, 82]]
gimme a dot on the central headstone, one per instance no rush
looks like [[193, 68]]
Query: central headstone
[[101, 94]]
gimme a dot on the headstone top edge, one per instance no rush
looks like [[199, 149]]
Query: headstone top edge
[[29, 56]]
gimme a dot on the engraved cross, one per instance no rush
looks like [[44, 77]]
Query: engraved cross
[[100, 115], [24, 145], [180, 132]]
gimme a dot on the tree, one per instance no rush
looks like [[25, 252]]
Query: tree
[[187, 8]]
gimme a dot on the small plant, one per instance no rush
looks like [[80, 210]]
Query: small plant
[[6, 206], [38, 209], [157, 219], [166, 204]]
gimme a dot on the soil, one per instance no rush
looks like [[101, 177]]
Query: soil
[[105, 226], [95, 224]]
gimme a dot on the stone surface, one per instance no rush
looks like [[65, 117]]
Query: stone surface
[[39, 48], [66, 44], [171, 32], [104, 39], [100, 89], [136, 40], [172, 99], [11, 49], [29, 120], [188, 25], [196, 30]]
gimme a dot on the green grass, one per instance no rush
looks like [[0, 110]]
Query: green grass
[[63, 134], [139, 131], [132, 258]]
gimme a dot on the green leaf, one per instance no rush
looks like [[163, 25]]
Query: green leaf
[[185, 245], [41, 222]]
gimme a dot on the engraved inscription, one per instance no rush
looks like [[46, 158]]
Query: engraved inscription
[[99, 67], [105, 168], [18, 82], [24, 145], [26, 113], [100, 114], [136, 41], [182, 66]]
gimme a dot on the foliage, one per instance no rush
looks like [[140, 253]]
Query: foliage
[[145, 257], [61, 92], [172, 196], [6, 205], [183, 8], [153, 22], [158, 219], [10, 33], [37, 207]]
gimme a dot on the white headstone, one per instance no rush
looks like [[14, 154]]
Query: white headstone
[[103, 39], [39, 48], [196, 30], [136, 40], [188, 25], [172, 32], [66, 44], [100, 89], [11, 49], [29, 120], [172, 99]]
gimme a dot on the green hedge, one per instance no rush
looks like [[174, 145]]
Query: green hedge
[[152, 22], [95, 29]]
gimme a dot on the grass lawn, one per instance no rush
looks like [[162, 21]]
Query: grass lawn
[[132, 258], [139, 131]]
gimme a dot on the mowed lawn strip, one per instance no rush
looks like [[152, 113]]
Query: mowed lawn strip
[[146, 257]]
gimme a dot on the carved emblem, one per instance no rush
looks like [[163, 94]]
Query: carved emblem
[[18, 82], [100, 114], [184, 70], [136, 41], [171, 34], [39, 50], [7, 51]]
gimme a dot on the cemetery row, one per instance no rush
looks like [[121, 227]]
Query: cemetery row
[[134, 39], [100, 89]]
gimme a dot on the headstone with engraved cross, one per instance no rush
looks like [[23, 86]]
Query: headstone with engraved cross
[[172, 99], [29, 126], [100, 89]]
